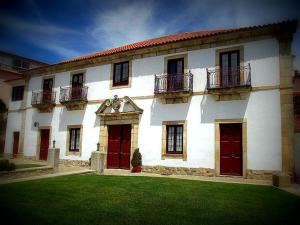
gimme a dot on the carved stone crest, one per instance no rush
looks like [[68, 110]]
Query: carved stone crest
[[116, 103]]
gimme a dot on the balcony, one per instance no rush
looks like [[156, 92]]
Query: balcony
[[74, 98], [43, 100], [173, 88], [231, 83]]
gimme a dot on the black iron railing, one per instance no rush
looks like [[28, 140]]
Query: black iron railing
[[169, 83], [229, 77], [43, 98], [68, 94]]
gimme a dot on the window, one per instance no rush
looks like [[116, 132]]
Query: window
[[121, 73], [17, 63], [25, 65], [229, 68], [74, 144], [17, 93], [77, 80], [175, 66], [174, 139]]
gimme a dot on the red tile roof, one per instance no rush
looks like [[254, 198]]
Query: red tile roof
[[165, 40], [152, 42]]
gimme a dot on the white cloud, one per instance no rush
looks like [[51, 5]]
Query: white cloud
[[126, 24], [42, 34]]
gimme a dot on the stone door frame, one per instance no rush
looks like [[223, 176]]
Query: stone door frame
[[118, 119]]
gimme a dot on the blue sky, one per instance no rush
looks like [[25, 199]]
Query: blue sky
[[55, 30]]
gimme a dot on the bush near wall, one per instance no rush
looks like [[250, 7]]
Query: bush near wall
[[5, 165]]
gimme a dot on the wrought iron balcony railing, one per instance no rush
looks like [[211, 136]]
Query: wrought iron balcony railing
[[230, 77], [168, 83], [43, 98], [69, 94]]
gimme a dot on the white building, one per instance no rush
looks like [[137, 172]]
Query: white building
[[210, 103]]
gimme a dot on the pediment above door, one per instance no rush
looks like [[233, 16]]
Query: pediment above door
[[118, 106]]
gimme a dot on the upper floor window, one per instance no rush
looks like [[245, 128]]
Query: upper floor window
[[21, 64], [17, 93], [175, 66], [174, 139], [121, 73], [77, 80], [229, 68], [47, 84]]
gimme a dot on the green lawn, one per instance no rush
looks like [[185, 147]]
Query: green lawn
[[91, 199], [23, 166]]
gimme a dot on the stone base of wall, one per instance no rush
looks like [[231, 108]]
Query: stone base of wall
[[164, 170], [179, 171], [260, 174], [77, 163], [33, 158]]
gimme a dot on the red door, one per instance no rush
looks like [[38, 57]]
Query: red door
[[119, 139], [16, 144], [44, 145], [231, 149]]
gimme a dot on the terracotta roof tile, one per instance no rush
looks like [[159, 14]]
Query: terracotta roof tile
[[151, 42], [165, 40]]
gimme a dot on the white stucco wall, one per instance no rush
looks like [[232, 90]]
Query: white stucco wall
[[261, 109]]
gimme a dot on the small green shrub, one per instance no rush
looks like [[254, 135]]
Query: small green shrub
[[136, 158], [5, 165], [11, 167]]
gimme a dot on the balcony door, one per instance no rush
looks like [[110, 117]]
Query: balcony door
[[47, 90], [230, 69], [175, 74], [77, 84]]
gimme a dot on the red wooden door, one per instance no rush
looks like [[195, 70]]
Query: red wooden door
[[16, 144], [125, 146], [231, 162], [44, 144], [114, 141], [119, 139]]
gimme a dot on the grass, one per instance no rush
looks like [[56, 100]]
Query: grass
[[23, 166], [91, 199]]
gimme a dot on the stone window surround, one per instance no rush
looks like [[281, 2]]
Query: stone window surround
[[39, 139], [121, 118], [179, 56], [111, 82], [164, 154], [242, 121], [68, 152]]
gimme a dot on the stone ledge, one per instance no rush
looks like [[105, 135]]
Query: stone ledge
[[179, 171], [80, 163], [260, 174]]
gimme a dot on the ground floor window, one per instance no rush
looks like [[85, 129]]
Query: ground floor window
[[174, 139], [74, 139]]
